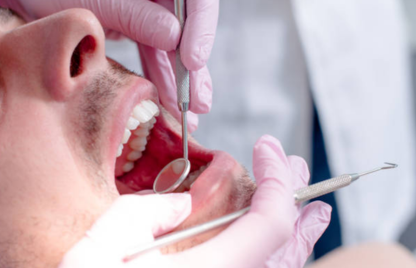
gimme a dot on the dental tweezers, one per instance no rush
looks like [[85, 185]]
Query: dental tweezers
[[301, 195]]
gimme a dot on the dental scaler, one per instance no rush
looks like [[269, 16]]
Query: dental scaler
[[301, 195]]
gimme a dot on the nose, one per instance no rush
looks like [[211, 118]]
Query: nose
[[59, 52]]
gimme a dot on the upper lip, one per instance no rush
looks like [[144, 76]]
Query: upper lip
[[140, 89]]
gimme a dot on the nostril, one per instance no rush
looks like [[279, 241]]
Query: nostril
[[85, 48]]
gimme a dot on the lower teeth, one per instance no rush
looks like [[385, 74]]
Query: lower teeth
[[191, 178]]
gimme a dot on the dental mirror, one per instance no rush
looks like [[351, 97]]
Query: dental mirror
[[172, 176]]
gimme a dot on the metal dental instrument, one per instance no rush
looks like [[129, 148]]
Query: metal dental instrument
[[301, 195], [182, 79], [165, 181], [172, 176]]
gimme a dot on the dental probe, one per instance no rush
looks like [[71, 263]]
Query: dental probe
[[301, 195], [182, 79]]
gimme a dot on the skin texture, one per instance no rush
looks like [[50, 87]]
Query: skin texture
[[57, 121], [43, 114], [63, 109], [65, 117], [156, 29]]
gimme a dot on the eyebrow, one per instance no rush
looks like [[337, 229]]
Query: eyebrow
[[6, 15]]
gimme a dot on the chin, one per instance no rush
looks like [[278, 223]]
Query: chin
[[217, 183]]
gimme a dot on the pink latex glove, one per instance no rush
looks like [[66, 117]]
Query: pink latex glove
[[153, 24], [312, 221], [246, 243], [132, 219]]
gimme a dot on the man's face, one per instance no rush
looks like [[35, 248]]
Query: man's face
[[64, 111]]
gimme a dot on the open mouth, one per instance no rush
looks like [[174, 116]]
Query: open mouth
[[217, 183], [151, 140]]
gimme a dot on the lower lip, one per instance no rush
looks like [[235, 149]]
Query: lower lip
[[215, 180]]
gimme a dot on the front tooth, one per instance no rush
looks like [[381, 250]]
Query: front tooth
[[134, 155], [126, 137], [142, 132], [138, 143], [128, 166], [146, 125], [142, 114], [119, 150], [151, 106], [132, 123]]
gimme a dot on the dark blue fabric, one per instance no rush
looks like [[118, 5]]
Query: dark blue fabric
[[331, 239]]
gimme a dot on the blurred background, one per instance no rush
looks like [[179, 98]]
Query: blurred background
[[334, 81]]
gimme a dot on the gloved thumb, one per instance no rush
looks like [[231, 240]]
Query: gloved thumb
[[272, 170], [134, 219]]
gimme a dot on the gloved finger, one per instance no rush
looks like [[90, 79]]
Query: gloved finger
[[300, 171], [313, 221], [193, 122], [130, 220], [133, 219], [199, 32], [200, 91], [269, 223], [141, 20], [157, 26], [158, 69], [200, 85]]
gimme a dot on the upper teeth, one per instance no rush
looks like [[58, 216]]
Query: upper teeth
[[132, 123], [145, 111], [140, 122], [126, 136]]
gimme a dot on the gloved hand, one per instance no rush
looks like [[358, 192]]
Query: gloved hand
[[196, 45], [132, 219], [248, 242], [153, 24], [312, 220]]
